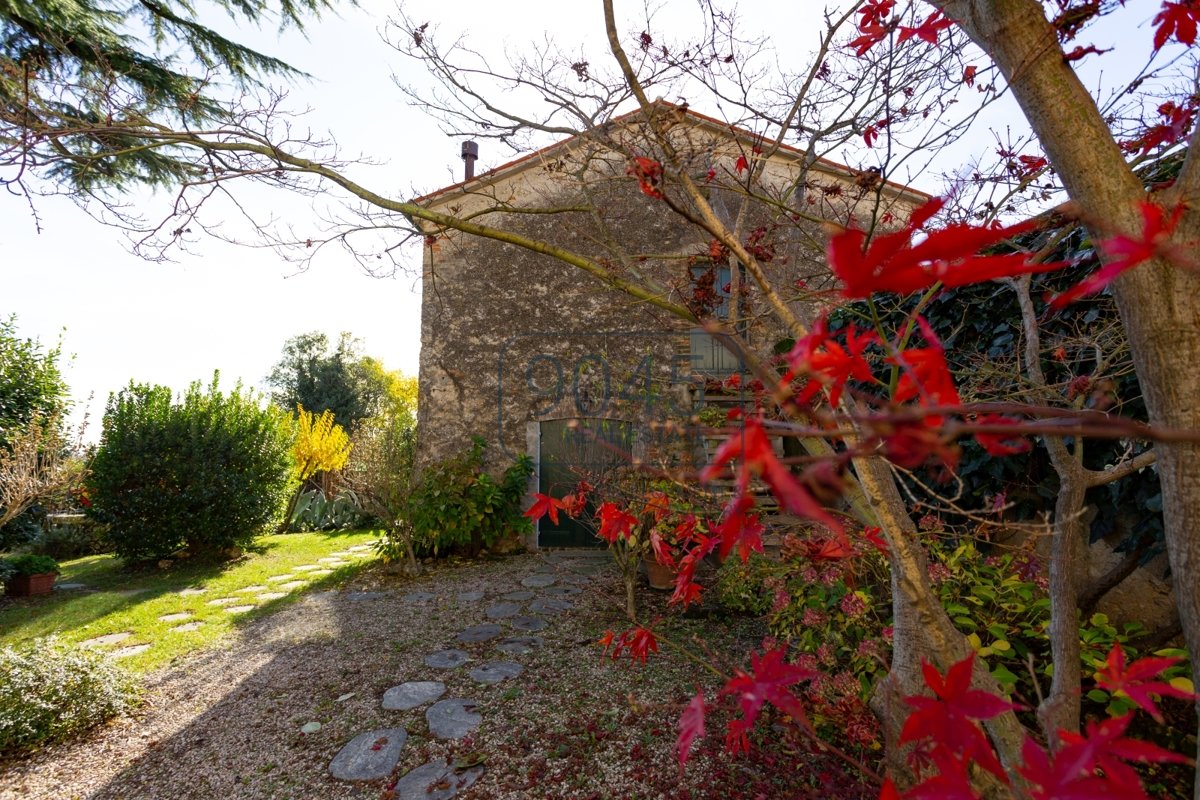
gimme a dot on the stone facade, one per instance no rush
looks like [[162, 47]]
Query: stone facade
[[511, 338]]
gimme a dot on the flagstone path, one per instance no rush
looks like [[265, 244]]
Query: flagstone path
[[275, 587], [376, 754]]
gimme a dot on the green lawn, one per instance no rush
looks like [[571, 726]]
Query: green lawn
[[117, 599]]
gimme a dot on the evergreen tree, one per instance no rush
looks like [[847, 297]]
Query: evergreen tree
[[77, 79]]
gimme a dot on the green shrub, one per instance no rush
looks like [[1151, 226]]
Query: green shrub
[[30, 564], [205, 472], [315, 512], [458, 504], [49, 692], [746, 588], [80, 537]]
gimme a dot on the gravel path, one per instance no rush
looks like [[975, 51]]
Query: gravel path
[[226, 723]]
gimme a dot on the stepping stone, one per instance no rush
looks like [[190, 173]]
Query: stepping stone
[[224, 601], [332, 561], [437, 780], [186, 627], [479, 633], [446, 659], [470, 597], [239, 609], [182, 615], [339, 554], [252, 589], [453, 718], [418, 597], [130, 592], [191, 592], [502, 610], [358, 548], [106, 639], [563, 591], [305, 568], [550, 605], [369, 756], [412, 694], [530, 624], [519, 645], [67, 587], [272, 595], [360, 596], [539, 581], [293, 585], [320, 573], [131, 650], [278, 578], [519, 597], [545, 569], [496, 671]]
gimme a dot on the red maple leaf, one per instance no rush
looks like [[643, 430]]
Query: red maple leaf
[[928, 30], [892, 263], [870, 135], [741, 165], [873, 12], [649, 174], [739, 528], [615, 523], [833, 364], [639, 642], [767, 682], [949, 718], [969, 75], [871, 36], [1003, 443], [1071, 773], [691, 727], [642, 643], [544, 504], [952, 781], [874, 537], [1178, 20], [752, 449], [1126, 252], [834, 548], [911, 443], [1176, 123], [1031, 165], [925, 374], [1136, 680]]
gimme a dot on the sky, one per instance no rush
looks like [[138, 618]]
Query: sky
[[223, 307], [231, 308]]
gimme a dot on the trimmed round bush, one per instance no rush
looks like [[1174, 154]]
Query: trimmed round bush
[[48, 693], [204, 472]]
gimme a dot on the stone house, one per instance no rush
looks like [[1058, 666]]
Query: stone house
[[538, 356]]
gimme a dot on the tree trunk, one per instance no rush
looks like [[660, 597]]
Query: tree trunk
[[1159, 303], [922, 629]]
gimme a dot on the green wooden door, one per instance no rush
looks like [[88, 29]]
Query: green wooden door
[[570, 450]]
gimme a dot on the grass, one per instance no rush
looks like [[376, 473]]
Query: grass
[[118, 599]]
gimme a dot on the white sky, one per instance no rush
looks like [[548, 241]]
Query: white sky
[[231, 308]]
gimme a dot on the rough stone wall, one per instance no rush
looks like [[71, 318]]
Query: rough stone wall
[[509, 336]]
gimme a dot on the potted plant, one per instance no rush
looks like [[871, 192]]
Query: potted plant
[[30, 575]]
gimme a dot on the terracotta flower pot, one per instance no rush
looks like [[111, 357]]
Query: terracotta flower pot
[[30, 585], [660, 577]]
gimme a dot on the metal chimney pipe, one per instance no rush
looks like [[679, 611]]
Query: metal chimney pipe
[[470, 152]]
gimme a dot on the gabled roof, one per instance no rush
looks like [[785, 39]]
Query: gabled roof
[[716, 126]]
